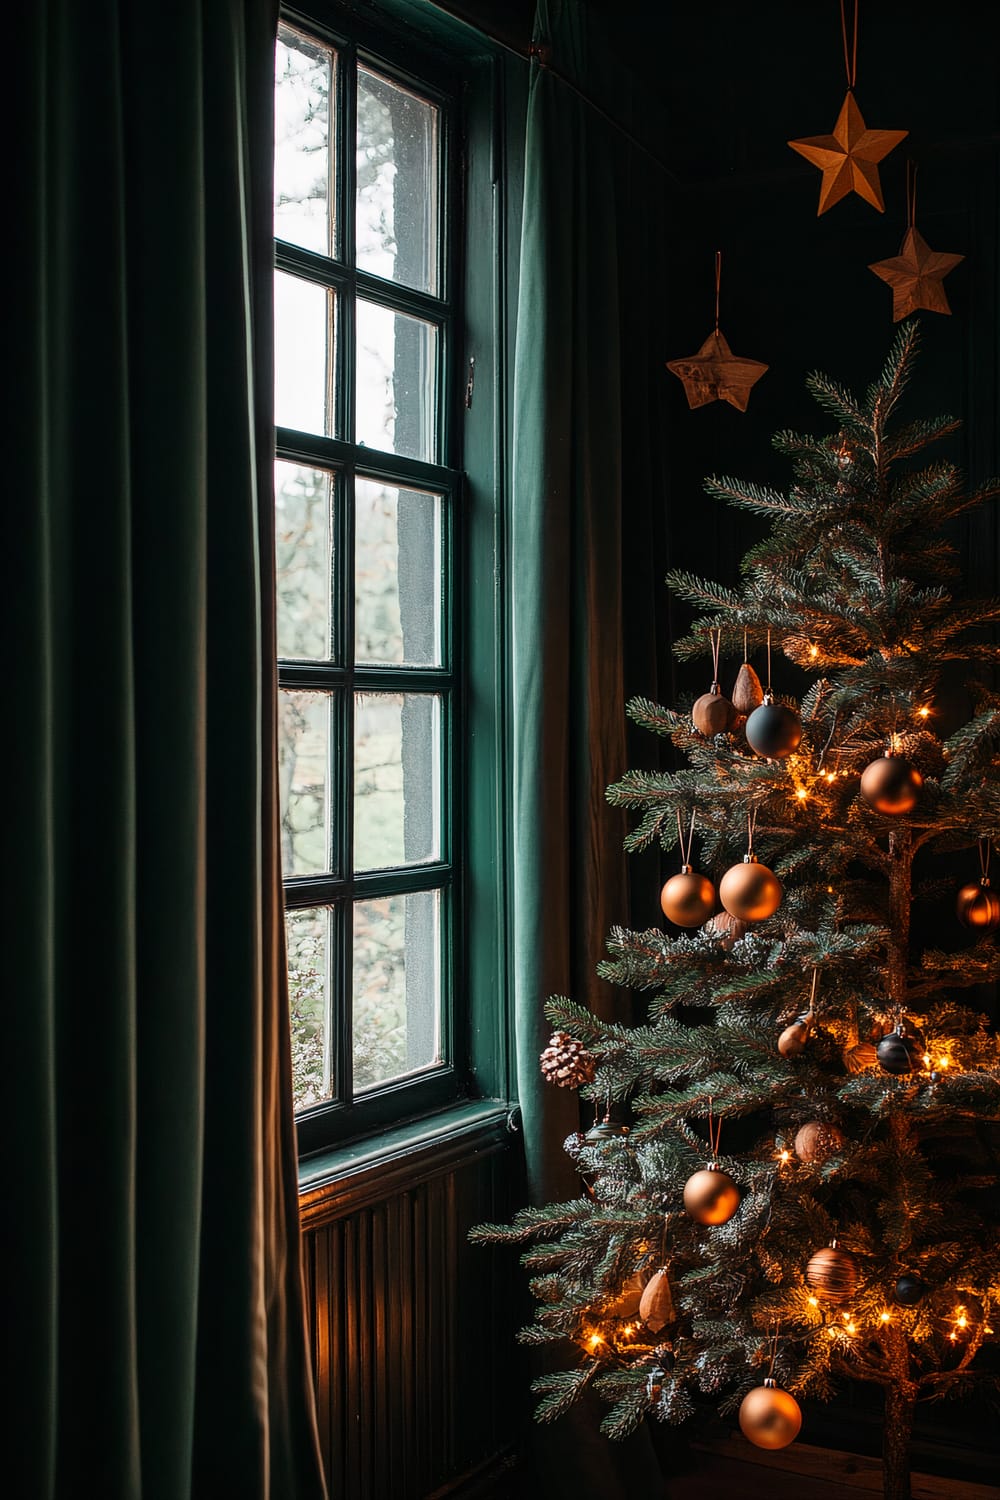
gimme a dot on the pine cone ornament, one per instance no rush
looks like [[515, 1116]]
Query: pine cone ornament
[[566, 1062]]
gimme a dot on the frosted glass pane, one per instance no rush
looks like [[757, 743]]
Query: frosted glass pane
[[396, 776], [304, 781], [304, 344], [303, 151], [397, 987], [397, 575], [397, 187], [308, 938], [396, 382], [303, 528]]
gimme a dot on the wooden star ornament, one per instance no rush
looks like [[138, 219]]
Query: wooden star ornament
[[915, 275], [715, 373], [848, 158]]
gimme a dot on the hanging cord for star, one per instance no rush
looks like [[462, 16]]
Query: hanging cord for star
[[850, 52]]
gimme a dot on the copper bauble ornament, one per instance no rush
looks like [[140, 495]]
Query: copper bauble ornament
[[688, 899], [857, 1059], [711, 1196], [750, 891], [747, 692], [833, 1273], [769, 1416], [773, 730], [656, 1308], [732, 928], [713, 713], [793, 1039], [978, 906], [817, 1141], [891, 785], [899, 1052]]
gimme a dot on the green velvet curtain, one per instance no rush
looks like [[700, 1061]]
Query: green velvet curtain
[[583, 557], [154, 1284]]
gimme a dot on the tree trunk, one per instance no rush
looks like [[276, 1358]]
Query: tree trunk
[[901, 854], [897, 1430]]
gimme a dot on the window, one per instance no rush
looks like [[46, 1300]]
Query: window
[[367, 497]]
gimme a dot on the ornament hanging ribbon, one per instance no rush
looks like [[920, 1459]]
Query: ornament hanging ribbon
[[985, 850], [685, 842], [850, 54]]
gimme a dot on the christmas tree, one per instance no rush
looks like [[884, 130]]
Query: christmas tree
[[845, 1224]]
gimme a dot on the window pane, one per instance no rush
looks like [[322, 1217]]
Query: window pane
[[303, 500], [397, 575], [304, 776], [396, 792], [396, 382], [397, 987], [308, 938], [304, 345], [397, 192], [303, 161]]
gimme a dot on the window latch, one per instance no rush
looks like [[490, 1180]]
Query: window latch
[[471, 381]]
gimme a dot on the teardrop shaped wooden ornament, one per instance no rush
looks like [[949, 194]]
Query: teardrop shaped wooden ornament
[[748, 693], [656, 1307]]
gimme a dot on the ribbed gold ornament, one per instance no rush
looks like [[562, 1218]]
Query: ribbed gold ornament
[[833, 1273]]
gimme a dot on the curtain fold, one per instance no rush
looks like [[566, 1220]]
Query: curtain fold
[[584, 290], [156, 1297]]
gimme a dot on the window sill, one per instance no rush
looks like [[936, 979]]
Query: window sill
[[337, 1182]]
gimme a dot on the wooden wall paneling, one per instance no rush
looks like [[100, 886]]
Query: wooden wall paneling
[[412, 1332]]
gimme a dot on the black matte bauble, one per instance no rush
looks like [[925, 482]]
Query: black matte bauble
[[909, 1291], [898, 1052], [774, 730]]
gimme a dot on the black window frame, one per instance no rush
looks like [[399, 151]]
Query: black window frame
[[427, 74]]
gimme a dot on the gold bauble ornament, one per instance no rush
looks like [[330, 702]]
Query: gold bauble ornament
[[750, 891], [769, 1416], [978, 906], [656, 1309], [793, 1039], [748, 693], [688, 899], [713, 713], [833, 1273], [711, 1196], [857, 1059], [891, 785], [816, 1142]]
